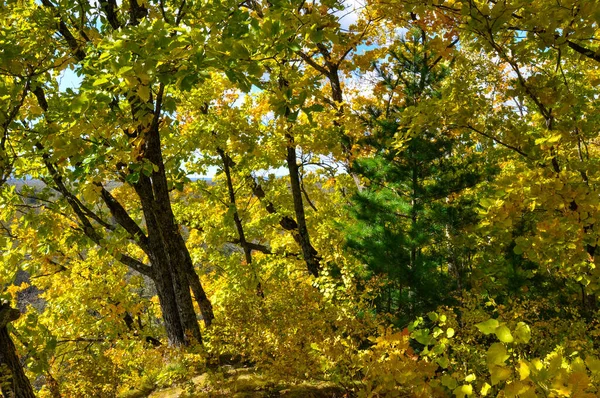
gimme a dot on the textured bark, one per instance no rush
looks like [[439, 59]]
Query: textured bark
[[13, 382], [161, 276], [167, 232], [52, 386], [171, 284], [199, 294], [311, 257]]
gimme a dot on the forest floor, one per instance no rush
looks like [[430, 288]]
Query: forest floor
[[246, 383]]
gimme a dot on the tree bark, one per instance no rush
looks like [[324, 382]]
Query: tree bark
[[167, 232], [311, 257], [13, 382], [171, 282]]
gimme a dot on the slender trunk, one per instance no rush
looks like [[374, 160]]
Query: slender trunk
[[13, 382], [311, 256], [227, 164], [337, 95], [52, 385], [194, 281]]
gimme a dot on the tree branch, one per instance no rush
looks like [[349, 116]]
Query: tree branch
[[124, 219], [511, 147], [66, 33]]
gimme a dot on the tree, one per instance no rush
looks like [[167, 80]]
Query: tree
[[13, 382], [124, 89], [411, 210]]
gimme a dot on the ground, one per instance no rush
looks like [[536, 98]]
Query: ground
[[243, 383]]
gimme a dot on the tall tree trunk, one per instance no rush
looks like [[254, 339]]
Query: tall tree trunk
[[162, 274], [311, 256], [168, 304], [167, 228], [13, 382], [199, 294], [171, 278]]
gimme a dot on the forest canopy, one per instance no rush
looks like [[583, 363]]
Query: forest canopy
[[370, 199]]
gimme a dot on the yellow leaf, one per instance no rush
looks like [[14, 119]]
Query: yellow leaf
[[485, 389], [490, 325], [503, 334], [144, 93], [496, 354], [516, 389], [499, 373], [523, 332], [593, 364], [537, 364], [463, 391], [523, 370]]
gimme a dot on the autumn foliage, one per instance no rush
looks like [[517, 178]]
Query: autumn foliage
[[394, 198]]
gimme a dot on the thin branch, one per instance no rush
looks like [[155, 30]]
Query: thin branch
[[520, 152], [64, 31]]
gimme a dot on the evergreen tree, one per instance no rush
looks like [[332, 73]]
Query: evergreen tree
[[411, 210]]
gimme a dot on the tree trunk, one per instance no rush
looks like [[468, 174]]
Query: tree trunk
[[199, 294], [168, 305], [311, 256], [13, 382], [162, 275], [166, 227]]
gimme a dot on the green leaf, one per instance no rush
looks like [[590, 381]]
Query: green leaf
[[523, 332], [443, 362], [423, 337], [496, 354], [488, 326], [144, 93], [133, 178], [449, 382], [188, 82], [100, 81], [503, 334]]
